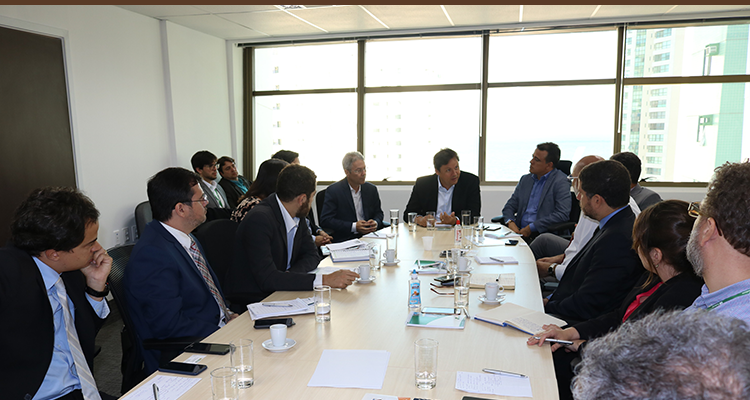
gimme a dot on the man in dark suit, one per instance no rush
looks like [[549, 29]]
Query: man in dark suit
[[273, 248], [53, 254], [447, 192], [352, 206], [204, 164], [644, 197], [234, 184], [542, 197], [171, 290], [603, 272]]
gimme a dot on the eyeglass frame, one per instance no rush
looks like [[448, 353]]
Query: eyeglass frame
[[203, 200], [694, 209]]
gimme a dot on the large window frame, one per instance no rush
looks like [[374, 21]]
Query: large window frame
[[620, 82]]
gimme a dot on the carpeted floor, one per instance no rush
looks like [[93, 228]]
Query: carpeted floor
[[107, 364]]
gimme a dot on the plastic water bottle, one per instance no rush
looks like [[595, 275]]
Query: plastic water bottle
[[415, 301], [457, 234]]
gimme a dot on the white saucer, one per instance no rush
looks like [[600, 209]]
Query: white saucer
[[395, 261], [500, 299], [362, 281], [466, 270], [268, 345]]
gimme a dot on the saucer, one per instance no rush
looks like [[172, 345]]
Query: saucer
[[465, 270], [500, 299], [395, 261], [268, 345], [362, 281]]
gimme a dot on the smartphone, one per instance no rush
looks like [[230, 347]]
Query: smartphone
[[445, 280], [473, 398], [492, 228], [440, 310], [266, 323], [207, 348], [511, 242], [182, 368]]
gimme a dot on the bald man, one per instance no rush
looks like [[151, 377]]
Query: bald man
[[554, 253]]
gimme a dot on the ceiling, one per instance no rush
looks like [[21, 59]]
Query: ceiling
[[267, 23]]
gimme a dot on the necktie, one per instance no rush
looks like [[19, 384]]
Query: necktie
[[88, 385], [200, 262], [218, 198]]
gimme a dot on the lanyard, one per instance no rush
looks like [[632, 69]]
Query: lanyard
[[729, 298]]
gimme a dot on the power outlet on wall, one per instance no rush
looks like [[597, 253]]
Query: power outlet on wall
[[125, 235], [118, 238], [134, 233]]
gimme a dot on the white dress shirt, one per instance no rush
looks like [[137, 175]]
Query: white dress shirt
[[290, 224], [357, 198]]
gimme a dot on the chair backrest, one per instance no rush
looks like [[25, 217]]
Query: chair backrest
[[320, 198], [575, 208], [132, 359], [142, 216], [565, 166], [217, 239]]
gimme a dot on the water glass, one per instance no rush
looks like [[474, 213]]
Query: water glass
[[412, 223], [391, 242], [430, 220], [461, 290], [465, 217], [241, 356], [394, 221], [452, 256], [479, 227], [224, 383], [374, 256], [322, 303], [425, 363]]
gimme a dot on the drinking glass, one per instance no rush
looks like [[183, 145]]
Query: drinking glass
[[430, 220], [322, 303], [412, 216], [394, 221], [374, 256], [241, 357], [425, 363], [461, 290], [465, 217], [224, 383], [479, 227]]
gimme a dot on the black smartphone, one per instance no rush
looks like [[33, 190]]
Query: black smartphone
[[473, 398], [445, 280], [511, 242], [207, 348], [266, 323], [182, 368], [492, 228]]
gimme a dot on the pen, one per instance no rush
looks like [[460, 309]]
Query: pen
[[566, 342], [276, 305], [498, 372], [506, 233], [156, 391]]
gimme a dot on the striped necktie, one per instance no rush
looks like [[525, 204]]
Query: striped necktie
[[218, 198], [202, 265], [88, 385]]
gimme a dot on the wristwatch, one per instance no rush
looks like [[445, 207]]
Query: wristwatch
[[551, 269], [96, 293]]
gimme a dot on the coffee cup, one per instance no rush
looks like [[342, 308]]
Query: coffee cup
[[490, 290], [463, 263], [390, 256], [427, 242], [364, 272], [278, 335]]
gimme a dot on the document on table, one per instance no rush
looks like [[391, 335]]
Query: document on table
[[361, 369], [381, 234], [353, 243], [499, 385], [170, 388], [281, 308]]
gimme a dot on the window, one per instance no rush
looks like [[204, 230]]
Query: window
[[655, 149], [663, 33], [660, 69], [653, 171], [653, 160], [658, 115], [659, 92], [656, 127], [662, 45], [661, 57], [658, 103], [655, 138]]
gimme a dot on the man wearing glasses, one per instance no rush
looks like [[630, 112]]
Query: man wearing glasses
[[171, 290], [204, 164], [719, 245], [352, 206]]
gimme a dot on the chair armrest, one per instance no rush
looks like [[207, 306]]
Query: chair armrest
[[498, 220], [561, 227]]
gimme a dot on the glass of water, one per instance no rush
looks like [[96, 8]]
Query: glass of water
[[374, 256], [224, 383], [461, 290], [479, 227], [394, 221], [322, 303], [425, 363], [241, 357], [430, 220], [412, 221]]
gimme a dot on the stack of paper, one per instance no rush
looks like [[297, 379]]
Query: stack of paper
[[499, 385], [496, 260], [282, 308], [506, 280]]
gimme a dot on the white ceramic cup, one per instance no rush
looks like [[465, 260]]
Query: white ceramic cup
[[463, 263], [364, 272], [278, 334], [427, 242], [490, 290], [390, 255]]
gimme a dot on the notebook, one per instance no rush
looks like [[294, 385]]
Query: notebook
[[507, 280], [521, 318], [344, 255]]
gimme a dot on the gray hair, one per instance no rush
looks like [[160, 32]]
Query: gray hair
[[695, 354], [350, 158]]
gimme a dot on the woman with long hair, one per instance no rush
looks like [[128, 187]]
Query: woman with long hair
[[262, 187]]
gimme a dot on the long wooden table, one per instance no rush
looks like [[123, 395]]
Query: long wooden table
[[372, 317]]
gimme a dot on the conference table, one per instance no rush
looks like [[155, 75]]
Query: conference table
[[373, 317]]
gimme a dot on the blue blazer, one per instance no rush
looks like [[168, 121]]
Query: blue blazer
[[554, 204], [339, 213], [166, 294]]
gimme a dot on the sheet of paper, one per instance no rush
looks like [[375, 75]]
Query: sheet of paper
[[296, 307], [381, 234], [195, 358], [170, 388], [346, 245], [499, 385], [372, 396], [362, 369]]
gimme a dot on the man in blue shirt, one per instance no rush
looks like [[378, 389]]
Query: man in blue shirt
[[719, 246], [542, 197], [53, 276]]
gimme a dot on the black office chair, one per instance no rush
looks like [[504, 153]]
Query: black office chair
[[217, 239], [320, 198], [132, 358], [142, 217]]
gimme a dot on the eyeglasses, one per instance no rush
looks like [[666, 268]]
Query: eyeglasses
[[203, 199], [694, 209], [360, 171], [571, 178]]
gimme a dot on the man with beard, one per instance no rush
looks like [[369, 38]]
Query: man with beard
[[600, 276], [719, 245], [273, 249]]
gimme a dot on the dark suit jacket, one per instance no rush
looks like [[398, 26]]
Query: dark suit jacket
[[166, 294], [232, 191], [554, 204], [27, 325], [644, 197], [601, 274], [466, 195], [260, 255], [339, 213], [676, 293]]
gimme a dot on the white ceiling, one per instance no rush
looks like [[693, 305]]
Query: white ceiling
[[264, 23]]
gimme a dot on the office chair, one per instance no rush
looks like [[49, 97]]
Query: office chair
[[142, 217], [217, 239], [320, 197]]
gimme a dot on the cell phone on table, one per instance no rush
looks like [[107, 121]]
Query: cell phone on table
[[182, 368], [441, 310], [511, 242], [266, 323], [207, 348], [445, 280], [491, 228]]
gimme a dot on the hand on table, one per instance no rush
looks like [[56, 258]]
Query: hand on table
[[322, 239], [340, 279], [512, 226], [421, 221], [525, 231], [446, 219], [365, 227], [555, 332]]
